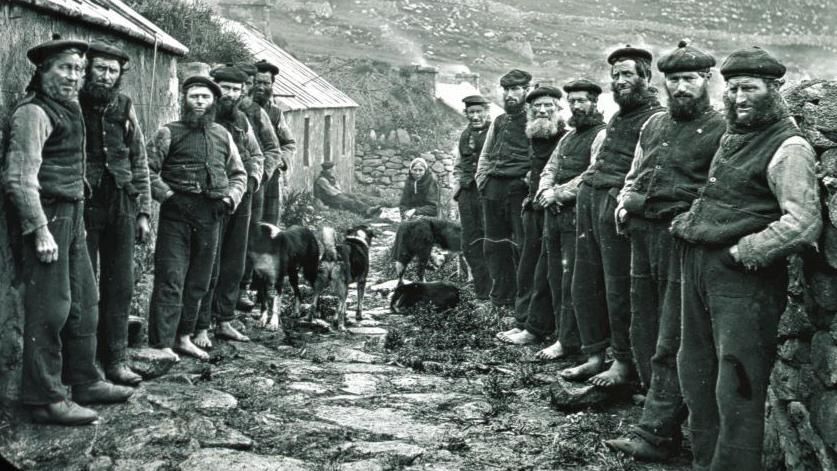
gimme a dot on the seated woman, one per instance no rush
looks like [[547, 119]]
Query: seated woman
[[327, 190], [420, 196]]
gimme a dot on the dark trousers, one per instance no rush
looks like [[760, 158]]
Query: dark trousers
[[601, 278], [61, 311], [228, 268], [555, 266], [274, 199], [655, 327], [187, 239], [110, 216], [473, 232], [348, 203], [530, 253], [256, 212], [502, 204], [727, 349]]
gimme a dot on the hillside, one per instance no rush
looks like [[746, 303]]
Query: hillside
[[557, 38]]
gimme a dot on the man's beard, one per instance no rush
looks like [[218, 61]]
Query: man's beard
[[195, 120], [226, 108], [584, 119], [262, 98], [687, 108], [245, 101], [765, 110], [637, 96], [513, 108], [97, 93], [543, 127]]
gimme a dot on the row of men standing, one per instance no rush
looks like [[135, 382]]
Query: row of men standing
[[81, 178], [662, 235]]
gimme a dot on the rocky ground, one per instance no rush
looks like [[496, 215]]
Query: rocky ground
[[416, 391]]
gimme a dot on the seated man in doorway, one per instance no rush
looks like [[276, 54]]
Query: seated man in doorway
[[327, 190]]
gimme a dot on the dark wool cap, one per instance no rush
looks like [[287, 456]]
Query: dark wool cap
[[265, 66], [45, 50], [247, 68], [544, 91], [327, 165], [628, 52], [202, 81], [474, 100], [583, 85], [102, 48], [515, 77], [685, 59], [228, 74], [753, 62]]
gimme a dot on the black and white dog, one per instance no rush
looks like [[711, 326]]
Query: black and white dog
[[342, 264], [275, 254], [442, 295], [415, 239]]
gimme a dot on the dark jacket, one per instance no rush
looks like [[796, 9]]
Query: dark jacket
[[266, 135], [421, 195], [540, 150], [471, 142], [506, 150]]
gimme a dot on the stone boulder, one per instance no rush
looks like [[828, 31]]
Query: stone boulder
[[814, 104], [569, 396], [150, 362]]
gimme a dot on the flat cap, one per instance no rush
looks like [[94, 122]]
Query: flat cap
[[265, 66], [629, 52], [227, 73], [515, 77], [544, 91], [754, 62], [201, 81], [327, 165], [106, 49], [474, 100], [582, 85], [247, 68], [47, 49], [685, 59]]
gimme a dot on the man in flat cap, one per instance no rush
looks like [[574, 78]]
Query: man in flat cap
[[219, 302], [198, 178], [465, 192], [118, 209], [44, 178], [501, 180], [556, 192], [759, 205], [278, 145], [327, 190], [670, 165], [601, 281], [545, 128]]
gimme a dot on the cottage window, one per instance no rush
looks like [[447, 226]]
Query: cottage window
[[327, 139], [306, 151]]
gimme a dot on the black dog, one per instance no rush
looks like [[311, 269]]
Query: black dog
[[442, 295], [343, 264], [415, 239], [276, 254]]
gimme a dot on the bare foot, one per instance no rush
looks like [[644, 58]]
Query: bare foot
[[171, 352], [552, 352], [593, 365], [504, 335], [186, 347], [201, 339], [521, 338], [615, 375], [225, 330]]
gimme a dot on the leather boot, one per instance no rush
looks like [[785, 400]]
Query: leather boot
[[640, 449], [120, 373], [244, 302], [64, 412], [101, 392]]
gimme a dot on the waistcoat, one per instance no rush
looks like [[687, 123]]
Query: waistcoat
[[471, 142], [196, 162], [107, 145], [510, 147]]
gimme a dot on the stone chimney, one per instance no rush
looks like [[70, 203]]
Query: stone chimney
[[421, 76], [472, 78]]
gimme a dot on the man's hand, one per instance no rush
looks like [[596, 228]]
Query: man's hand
[[143, 229], [45, 246], [408, 214], [621, 217], [252, 183], [547, 197]]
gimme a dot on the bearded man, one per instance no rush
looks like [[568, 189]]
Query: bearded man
[[198, 178], [501, 180], [556, 192], [465, 193], [545, 128], [44, 178], [119, 206], [759, 205], [601, 281], [670, 165], [218, 304]]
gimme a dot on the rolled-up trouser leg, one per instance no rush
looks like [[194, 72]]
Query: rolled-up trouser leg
[[530, 255], [171, 260], [470, 215]]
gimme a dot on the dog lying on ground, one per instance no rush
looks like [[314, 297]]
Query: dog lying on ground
[[275, 254], [415, 239], [342, 264], [442, 295]]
